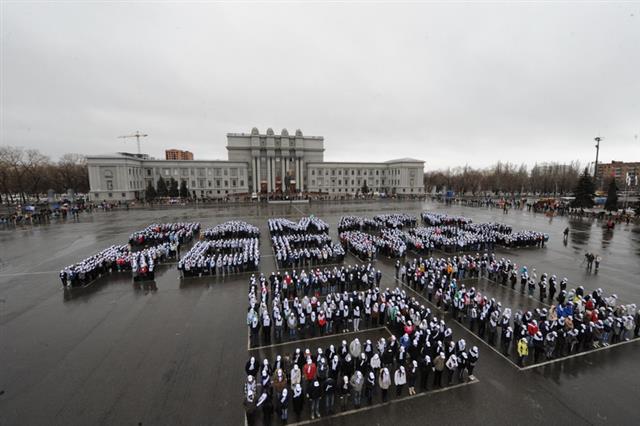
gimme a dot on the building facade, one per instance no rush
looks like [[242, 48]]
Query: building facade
[[399, 177], [625, 174], [278, 163], [257, 163], [125, 176], [177, 154]]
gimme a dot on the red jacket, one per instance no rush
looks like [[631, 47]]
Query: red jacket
[[532, 329], [309, 371]]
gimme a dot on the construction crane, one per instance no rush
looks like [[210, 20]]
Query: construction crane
[[136, 135]]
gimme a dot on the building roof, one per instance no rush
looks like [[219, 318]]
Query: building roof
[[127, 155], [405, 160]]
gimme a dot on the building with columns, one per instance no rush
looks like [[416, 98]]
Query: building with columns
[[277, 162], [257, 163]]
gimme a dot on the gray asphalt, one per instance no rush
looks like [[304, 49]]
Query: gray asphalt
[[122, 354]]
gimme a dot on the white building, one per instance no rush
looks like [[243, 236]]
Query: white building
[[125, 176], [264, 163], [402, 177]]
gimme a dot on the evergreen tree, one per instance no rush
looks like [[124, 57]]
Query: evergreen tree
[[184, 191], [161, 188], [150, 192], [612, 197], [173, 188], [584, 191]]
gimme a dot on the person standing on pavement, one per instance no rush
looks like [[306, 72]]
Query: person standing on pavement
[[400, 379], [523, 351], [298, 401], [314, 394], [384, 381]]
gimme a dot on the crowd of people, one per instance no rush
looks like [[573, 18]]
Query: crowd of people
[[304, 243], [311, 224], [118, 258], [291, 307], [227, 248], [366, 237], [441, 219], [298, 250], [360, 372], [146, 249], [395, 220], [232, 229], [220, 257], [576, 320], [158, 233], [390, 242], [357, 223], [93, 267]]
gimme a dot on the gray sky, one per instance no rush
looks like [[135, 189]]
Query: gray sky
[[451, 84]]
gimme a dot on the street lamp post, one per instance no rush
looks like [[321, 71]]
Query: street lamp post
[[595, 169]]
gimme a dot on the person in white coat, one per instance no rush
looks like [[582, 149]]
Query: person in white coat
[[400, 379]]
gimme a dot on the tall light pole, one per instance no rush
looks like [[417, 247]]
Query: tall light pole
[[595, 169]]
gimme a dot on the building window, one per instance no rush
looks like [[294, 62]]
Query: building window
[[123, 194], [109, 184], [234, 172], [218, 172], [313, 172], [226, 172], [193, 183], [218, 183], [110, 195], [226, 183], [201, 172], [148, 172]]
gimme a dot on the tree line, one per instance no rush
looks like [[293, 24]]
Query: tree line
[[28, 172], [163, 190], [506, 178]]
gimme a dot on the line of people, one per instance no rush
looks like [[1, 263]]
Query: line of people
[[577, 321], [439, 219], [118, 258], [221, 257], [157, 233], [313, 224], [232, 229]]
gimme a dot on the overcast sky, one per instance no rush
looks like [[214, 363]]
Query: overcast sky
[[451, 84]]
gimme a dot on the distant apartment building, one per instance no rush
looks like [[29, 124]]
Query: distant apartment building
[[177, 154], [625, 174]]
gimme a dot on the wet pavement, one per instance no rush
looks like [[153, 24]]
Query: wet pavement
[[119, 353]]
